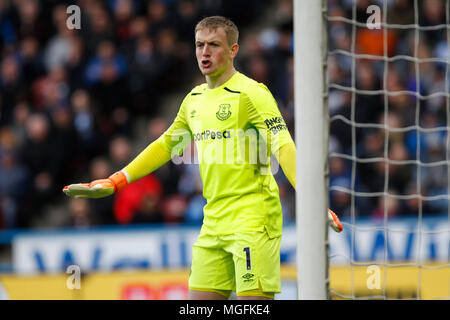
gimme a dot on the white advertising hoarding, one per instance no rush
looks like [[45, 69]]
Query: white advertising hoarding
[[161, 247]]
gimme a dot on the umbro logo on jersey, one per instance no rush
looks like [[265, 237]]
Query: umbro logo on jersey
[[193, 113], [224, 112], [248, 277]]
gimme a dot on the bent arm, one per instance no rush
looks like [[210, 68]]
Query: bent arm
[[286, 159]]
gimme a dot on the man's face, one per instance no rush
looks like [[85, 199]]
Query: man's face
[[214, 54]]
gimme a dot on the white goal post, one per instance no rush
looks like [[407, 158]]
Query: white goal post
[[311, 135]]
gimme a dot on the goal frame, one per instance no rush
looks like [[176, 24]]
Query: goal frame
[[311, 135]]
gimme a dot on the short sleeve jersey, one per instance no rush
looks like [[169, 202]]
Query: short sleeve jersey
[[235, 127]]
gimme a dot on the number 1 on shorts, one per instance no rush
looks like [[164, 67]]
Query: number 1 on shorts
[[247, 255]]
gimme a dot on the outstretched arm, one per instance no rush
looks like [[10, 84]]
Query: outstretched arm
[[153, 157], [150, 159], [173, 140]]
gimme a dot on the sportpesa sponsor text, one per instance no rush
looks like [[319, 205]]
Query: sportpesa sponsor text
[[212, 134], [275, 125]]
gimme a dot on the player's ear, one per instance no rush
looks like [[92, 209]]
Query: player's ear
[[234, 50]]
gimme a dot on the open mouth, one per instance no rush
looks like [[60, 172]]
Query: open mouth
[[206, 63]]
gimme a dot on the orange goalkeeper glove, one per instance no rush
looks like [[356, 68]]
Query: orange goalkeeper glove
[[334, 222], [98, 188]]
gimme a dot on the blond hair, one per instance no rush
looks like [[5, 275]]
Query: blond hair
[[215, 22]]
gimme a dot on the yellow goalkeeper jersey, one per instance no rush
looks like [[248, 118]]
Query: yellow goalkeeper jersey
[[235, 128]]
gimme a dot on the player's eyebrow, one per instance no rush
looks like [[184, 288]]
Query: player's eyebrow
[[207, 41]]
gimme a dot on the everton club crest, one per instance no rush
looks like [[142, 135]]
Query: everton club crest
[[224, 111]]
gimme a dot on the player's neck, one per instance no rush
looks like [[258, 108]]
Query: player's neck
[[214, 82]]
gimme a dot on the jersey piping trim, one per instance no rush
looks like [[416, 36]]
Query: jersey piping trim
[[229, 90]]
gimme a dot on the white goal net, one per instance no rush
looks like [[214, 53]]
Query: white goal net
[[389, 148]]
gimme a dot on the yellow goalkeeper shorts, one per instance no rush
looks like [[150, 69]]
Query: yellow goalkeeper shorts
[[241, 262]]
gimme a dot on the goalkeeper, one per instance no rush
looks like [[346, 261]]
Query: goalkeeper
[[238, 248]]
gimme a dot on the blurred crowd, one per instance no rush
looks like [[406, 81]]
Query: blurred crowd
[[430, 179], [71, 101]]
